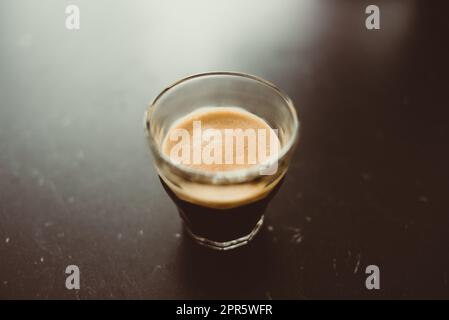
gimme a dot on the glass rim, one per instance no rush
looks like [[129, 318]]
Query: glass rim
[[232, 176]]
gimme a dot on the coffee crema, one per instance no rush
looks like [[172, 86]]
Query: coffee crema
[[217, 139]]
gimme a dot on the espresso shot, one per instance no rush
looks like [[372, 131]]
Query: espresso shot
[[221, 143], [212, 221]]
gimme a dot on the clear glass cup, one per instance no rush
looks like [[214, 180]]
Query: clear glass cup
[[221, 210]]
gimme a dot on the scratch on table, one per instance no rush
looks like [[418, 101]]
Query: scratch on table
[[296, 230], [423, 199], [268, 295], [48, 224], [297, 237], [357, 264], [366, 176], [91, 291], [298, 240], [156, 268]]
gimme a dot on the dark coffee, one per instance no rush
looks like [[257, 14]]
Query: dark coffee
[[221, 225]]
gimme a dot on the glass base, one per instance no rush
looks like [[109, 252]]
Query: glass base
[[226, 245]]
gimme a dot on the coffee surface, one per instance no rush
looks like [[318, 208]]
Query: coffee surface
[[223, 151]]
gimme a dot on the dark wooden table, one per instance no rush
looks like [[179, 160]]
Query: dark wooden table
[[368, 184]]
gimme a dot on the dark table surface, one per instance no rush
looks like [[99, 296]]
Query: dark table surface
[[368, 184]]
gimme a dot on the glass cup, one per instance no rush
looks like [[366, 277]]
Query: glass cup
[[225, 209]]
